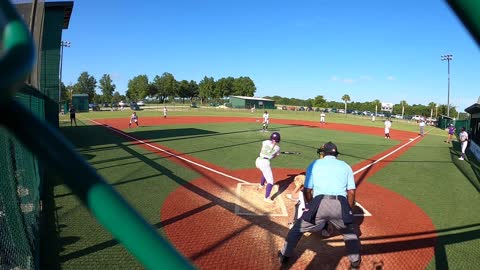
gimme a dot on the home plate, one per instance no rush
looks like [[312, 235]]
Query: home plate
[[249, 202]]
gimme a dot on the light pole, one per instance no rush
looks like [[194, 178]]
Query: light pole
[[62, 44], [448, 58]]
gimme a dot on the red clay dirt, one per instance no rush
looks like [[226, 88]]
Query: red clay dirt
[[221, 223]]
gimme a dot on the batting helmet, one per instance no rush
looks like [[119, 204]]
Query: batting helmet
[[275, 137], [329, 149]]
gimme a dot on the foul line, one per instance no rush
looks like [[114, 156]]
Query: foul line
[[169, 153], [365, 211], [387, 155]]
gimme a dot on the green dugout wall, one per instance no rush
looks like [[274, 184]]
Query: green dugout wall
[[57, 17]]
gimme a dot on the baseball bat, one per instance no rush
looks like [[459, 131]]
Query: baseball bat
[[290, 152]]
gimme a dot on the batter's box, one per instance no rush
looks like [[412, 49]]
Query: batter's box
[[249, 202]]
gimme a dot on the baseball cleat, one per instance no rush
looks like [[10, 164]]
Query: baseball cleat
[[282, 258]]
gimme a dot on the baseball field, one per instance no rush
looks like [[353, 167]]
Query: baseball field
[[192, 176]]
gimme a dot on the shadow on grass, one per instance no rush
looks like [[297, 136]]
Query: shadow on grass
[[474, 178]]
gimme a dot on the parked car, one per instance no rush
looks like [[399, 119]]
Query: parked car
[[121, 103], [301, 109], [134, 106], [417, 117], [367, 113], [284, 108], [141, 103]]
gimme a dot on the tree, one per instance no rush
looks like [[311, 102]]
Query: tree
[[86, 84], [70, 90], [206, 88], [64, 94], [138, 88], [107, 87], [116, 98], [346, 99], [183, 90], [319, 101], [224, 86], [166, 86], [193, 90], [403, 104], [244, 86]]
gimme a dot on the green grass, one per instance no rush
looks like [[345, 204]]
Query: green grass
[[429, 174], [143, 178], [237, 145]]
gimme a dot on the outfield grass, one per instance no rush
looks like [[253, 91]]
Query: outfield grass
[[429, 174]]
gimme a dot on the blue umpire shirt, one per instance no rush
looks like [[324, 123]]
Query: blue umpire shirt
[[329, 176]]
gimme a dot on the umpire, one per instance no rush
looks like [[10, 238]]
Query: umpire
[[330, 193]]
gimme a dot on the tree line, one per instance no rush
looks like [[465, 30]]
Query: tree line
[[347, 104], [164, 88]]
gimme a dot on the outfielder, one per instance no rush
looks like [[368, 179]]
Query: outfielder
[[266, 120], [322, 118], [133, 118], [165, 112], [388, 125], [270, 150]]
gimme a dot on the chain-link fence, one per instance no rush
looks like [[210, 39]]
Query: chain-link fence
[[19, 197]]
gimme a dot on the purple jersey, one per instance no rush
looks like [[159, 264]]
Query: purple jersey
[[451, 130]]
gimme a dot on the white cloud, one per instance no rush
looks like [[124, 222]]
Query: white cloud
[[334, 78], [390, 78], [348, 80]]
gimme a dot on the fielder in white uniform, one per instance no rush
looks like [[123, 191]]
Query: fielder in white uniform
[[270, 150], [133, 119], [266, 120], [322, 118], [165, 112], [463, 136], [388, 125]]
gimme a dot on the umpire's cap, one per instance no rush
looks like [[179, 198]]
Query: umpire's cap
[[330, 149]]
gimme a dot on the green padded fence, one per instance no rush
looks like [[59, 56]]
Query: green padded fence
[[25, 130]]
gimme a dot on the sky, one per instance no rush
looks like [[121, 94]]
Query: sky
[[373, 49]]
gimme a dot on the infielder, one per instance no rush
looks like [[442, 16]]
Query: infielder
[[270, 150], [322, 118], [133, 119], [266, 120], [388, 125], [463, 136]]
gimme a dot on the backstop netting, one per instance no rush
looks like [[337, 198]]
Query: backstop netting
[[20, 173]]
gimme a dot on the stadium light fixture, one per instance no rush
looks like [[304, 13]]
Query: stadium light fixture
[[62, 44], [448, 58]]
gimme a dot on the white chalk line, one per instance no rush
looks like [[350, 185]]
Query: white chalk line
[[365, 211], [170, 153]]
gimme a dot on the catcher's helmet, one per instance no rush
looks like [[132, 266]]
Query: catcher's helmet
[[329, 149], [275, 137]]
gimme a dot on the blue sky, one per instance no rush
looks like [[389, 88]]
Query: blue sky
[[386, 50]]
